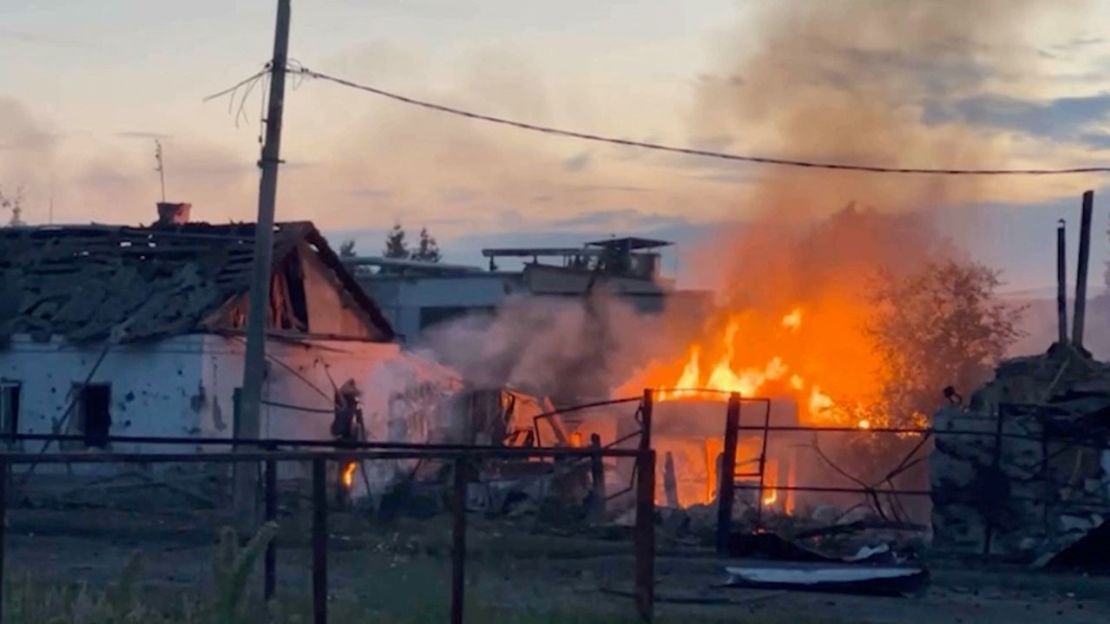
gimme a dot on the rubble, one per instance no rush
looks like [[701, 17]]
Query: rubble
[[1021, 472], [1090, 553], [88, 282]]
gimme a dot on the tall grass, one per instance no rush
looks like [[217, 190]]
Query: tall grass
[[410, 596], [30, 603]]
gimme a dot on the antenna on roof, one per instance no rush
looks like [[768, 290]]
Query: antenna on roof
[[160, 166]]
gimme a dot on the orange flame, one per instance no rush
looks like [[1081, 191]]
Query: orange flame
[[793, 321], [770, 480], [725, 376], [348, 476]]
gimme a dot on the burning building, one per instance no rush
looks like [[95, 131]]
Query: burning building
[[113, 331]]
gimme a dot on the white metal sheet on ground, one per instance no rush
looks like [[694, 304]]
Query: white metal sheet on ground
[[817, 575]]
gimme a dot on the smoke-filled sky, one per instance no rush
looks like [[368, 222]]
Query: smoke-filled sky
[[86, 87]]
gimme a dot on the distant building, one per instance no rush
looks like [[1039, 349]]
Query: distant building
[[417, 295]]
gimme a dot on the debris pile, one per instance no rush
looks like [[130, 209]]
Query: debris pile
[[1023, 471]]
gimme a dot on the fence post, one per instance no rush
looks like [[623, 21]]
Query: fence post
[[319, 541], [597, 475], [996, 464], [763, 466], [458, 541], [270, 578], [645, 534], [726, 492], [3, 527]]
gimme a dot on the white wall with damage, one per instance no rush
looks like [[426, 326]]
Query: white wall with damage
[[155, 389], [185, 386]]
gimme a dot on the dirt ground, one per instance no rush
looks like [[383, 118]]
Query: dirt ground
[[404, 567]]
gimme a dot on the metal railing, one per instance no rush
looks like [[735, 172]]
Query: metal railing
[[459, 456], [271, 452]]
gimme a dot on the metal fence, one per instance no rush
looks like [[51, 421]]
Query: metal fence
[[269, 455], [460, 457]]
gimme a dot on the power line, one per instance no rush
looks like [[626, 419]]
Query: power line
[[260, 73], [687, 150]]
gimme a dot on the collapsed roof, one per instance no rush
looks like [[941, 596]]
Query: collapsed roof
[[96, 282]]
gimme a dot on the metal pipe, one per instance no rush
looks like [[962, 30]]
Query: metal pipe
[[646, 409], [269, 581], [1061, 282], [458, 543], [597, 476], [645, 535], [726, 493], [274, 443], [1081, 276], [838, 490], [319, 541], [763, 466], [3, 529]]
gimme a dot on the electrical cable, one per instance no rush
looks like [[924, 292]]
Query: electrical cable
[[765, 160]]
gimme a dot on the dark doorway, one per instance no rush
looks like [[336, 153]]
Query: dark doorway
[[93, 416]]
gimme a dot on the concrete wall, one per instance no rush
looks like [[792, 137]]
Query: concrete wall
[[185, 386], [156, 389], [402, 298]]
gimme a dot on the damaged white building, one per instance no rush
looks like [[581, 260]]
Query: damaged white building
[[139, 331]]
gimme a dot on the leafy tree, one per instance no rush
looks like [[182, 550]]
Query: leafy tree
[[428, 249], [347, 249], [944, 325], [395, 245]]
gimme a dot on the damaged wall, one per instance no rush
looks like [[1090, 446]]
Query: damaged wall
[[185, 386], [1032, 474], [155, 389], [330, 309]]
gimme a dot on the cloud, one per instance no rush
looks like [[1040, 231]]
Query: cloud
[[579, 162], [371, 193], [140, 134], [1063, 118], [43, 40], [896, 84], [615, 220], [596, 188]]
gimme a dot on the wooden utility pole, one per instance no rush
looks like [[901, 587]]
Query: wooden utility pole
[[255, 358]]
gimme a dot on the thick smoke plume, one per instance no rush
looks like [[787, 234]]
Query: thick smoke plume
[[567, 349], [839, 81], [864, 82]]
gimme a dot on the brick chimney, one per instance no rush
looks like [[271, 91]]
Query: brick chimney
[[170, 213]]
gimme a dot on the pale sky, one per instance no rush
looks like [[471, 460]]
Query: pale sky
[[86, 86]]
